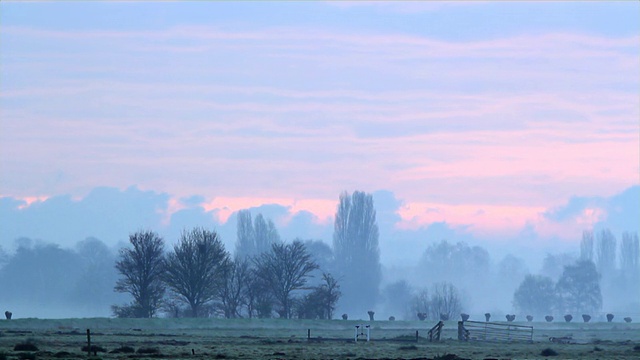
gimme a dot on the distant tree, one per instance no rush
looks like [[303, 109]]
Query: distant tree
[[356, 252], [460, 263], [630, 264], [445, 301], [254, 237], [245, 247], [235, 278], [606, 251], [630, 255], [195, 267], [579, 288], [321, 252], [511, 271], [284, 269], [553, 264], [397, 298], [141, 268], [536, 295], [265, 234], [586, 245], [421, 304], [39, 274], [93, 291]]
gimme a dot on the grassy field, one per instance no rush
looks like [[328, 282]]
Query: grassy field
[[287, 339]]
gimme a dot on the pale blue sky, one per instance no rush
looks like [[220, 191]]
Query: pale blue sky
[[482, 116]]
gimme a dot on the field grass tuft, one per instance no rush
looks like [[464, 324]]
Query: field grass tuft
[[548, 352], [148, 351], [123, 350], [25, 346]]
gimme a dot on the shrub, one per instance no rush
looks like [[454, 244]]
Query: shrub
[[94, 349], [123, 350], [148, 351], [25, 346], [548, 352]]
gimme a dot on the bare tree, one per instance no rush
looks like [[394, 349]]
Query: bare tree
[[356, 251], [141, 269], [321, 302], [445, 301], [285, 269], [232, 291], [586, 245], [194, 268], [420, 304], [330, 290]]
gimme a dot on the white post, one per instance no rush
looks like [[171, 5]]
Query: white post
[[368, 328]]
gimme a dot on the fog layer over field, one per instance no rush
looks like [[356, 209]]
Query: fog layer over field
[[58, 258]]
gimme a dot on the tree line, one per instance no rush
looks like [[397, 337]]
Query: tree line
[[579, 289], [268, 277], [198, 278]]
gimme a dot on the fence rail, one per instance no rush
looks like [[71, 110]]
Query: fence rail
[[492, 331]]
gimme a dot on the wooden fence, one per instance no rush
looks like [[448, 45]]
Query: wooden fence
[[492, 331]]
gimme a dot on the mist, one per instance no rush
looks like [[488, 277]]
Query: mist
[[65, 268]]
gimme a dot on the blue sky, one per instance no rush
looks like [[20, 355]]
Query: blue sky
[[481, 118]]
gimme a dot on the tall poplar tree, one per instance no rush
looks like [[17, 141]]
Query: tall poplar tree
[[356, 252]]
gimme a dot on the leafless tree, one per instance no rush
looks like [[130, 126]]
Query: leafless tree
[[284, 269], [420, 304], [194, 268], [445, 301], [235, 279], [141, 269]]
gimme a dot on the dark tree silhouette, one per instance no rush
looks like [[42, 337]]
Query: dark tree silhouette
[[579, 288], [195, 267], [536, 295], [356, 252], [141, 268], [235, 278], [284, 269], [321, 302]]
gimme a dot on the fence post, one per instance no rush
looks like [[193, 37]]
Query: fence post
[[88, 342]]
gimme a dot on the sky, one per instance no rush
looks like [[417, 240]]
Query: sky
[[513, 125]]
